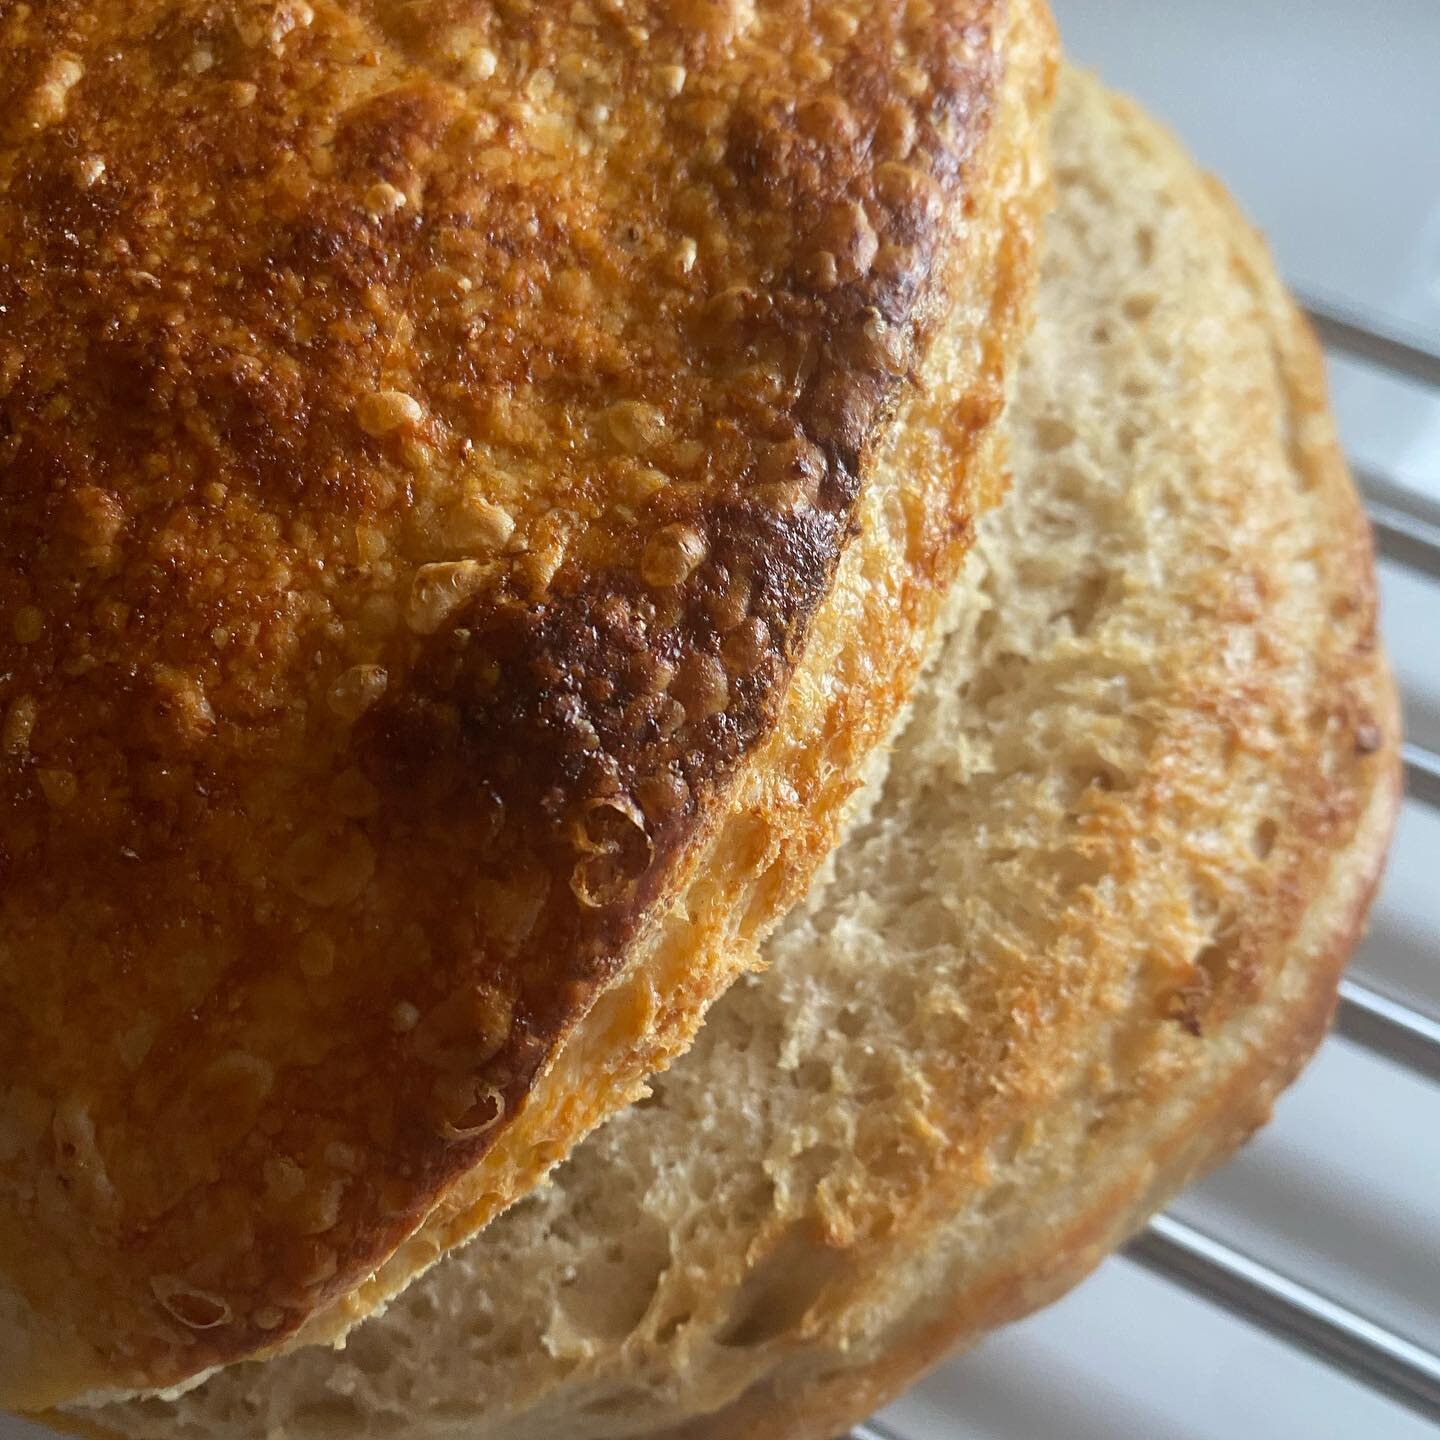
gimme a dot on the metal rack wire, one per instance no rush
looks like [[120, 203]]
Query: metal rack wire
[[1407, 532]]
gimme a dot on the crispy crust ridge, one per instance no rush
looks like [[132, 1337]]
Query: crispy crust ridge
[[413, 536]]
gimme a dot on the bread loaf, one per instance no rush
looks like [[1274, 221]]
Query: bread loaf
[[1081, 934]]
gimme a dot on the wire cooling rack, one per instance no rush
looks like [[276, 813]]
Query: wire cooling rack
[[1288, 1306]]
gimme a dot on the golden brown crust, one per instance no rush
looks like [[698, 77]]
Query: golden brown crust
[[428, 434]]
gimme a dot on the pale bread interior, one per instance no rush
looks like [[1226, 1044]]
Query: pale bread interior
[[1078, 937]]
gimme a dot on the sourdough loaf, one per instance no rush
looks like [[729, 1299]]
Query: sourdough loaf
[[1081, 934]]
